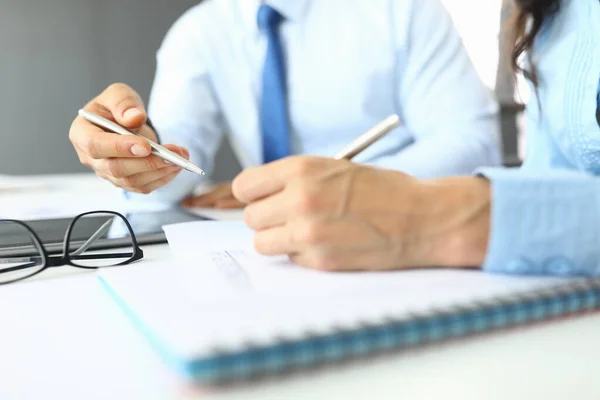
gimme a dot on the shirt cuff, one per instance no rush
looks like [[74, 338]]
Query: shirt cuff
[[543, 223]]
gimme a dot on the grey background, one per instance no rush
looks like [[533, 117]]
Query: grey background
[[56, 55]]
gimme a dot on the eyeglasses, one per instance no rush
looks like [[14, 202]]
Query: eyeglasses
[[86, 245]]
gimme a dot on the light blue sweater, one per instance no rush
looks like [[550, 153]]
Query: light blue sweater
[[562, 130], [546, 216]]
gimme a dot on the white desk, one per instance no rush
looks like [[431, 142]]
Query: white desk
[[62, 337]]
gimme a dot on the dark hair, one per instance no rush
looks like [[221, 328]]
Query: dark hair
[[527, 23]]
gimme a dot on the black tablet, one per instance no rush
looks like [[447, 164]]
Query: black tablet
[[146, 225]]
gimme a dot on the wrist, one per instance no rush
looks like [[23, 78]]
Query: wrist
[[463, 219]]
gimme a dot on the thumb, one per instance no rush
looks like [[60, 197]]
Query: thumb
[[122, 104]]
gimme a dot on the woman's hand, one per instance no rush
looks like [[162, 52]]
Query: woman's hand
[[124, 160]]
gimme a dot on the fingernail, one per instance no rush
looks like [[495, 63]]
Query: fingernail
[[139, 151], [132, 113]]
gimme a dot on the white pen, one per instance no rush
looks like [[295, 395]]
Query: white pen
[[157, 149], [368, 138]]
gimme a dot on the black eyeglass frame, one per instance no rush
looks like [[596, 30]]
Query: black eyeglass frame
[[66, 258]]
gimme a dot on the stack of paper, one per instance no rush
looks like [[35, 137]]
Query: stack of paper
[[14, 183]]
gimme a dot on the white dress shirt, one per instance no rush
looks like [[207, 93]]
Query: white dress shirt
[[349, 65]]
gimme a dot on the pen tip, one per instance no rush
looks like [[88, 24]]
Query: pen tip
[[195, 169]]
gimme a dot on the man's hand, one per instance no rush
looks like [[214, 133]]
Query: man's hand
[[123, 160], [336, 215], [220, 196]]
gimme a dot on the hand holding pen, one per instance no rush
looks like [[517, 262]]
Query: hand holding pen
[[128, 161], [111, 136], [330, 213]]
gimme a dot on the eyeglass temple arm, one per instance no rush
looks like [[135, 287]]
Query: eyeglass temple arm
[[58, 261], [18, 267], [97, 235]]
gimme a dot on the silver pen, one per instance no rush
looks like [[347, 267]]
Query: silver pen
[[157, 149], [368, 138]]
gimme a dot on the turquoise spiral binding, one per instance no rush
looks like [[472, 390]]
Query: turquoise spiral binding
[[397, 334]]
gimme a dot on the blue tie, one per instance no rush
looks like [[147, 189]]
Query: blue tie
[[273, 105]]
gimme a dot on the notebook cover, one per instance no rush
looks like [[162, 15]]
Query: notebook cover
[[392, 333]]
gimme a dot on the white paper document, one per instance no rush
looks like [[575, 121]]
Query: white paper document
[[218, 258]]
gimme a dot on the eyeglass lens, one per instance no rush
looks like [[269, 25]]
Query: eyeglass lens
[[27, 258], [100, 240]]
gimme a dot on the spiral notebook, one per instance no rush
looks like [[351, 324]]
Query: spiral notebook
[[226, 313]]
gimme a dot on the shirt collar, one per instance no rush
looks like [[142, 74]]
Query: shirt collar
[[292, 10]]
